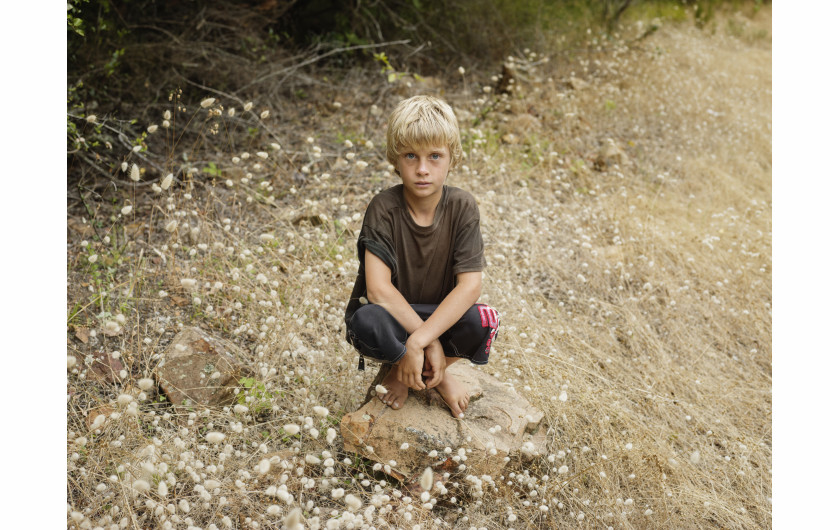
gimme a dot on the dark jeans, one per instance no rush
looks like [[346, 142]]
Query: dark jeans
[[378, 336]]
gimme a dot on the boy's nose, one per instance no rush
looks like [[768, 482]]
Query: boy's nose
[[421, 168]]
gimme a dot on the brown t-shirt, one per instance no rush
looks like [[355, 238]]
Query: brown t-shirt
[[424, 260]]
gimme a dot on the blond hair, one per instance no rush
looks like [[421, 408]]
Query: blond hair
[[423, 121]]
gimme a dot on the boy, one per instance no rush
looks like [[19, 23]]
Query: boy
[[420, 260]]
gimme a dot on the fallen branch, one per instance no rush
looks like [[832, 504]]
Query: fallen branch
[[317, 58]]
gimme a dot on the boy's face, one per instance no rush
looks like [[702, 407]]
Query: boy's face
[[423, 170]]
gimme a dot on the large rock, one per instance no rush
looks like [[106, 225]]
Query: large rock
[[186, 374], [426, 424]]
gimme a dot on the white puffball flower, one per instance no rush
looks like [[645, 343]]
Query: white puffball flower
[[184, 505], [207, 102], [93, 257], [97, 422], [264, 114], [294, 519], [167, 181], [695, 457], [321, 411], [141, 486], [425, 496], [214, 437], [433, 453], [266, 237], [248, 106], [273, 510], [152, 128], [461, 70], [353, 502], [145, 383], [291, 429], [171, 226], [163, 489], [167, 115], [187, 283], [337, 493], [628, 446], [71, 362], [348, 144], [381, 389], [91, 118], [126, 210], [262, 154], [240, 409], [426, 480], [331, 434], [264, 466], [134, 174], [124, 399], [404, 446]]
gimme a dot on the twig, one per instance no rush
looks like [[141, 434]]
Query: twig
[[319, 57]]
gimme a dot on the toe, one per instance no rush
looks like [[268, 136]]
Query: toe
[[396, 405]]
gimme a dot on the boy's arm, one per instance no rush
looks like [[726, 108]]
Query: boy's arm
[[421, 334], [451, 309], [381, 291]]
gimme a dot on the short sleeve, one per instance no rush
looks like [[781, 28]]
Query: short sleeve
[[379, 244], [469, 248], [376, 233]]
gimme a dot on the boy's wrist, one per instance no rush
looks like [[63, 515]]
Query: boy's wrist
[[418, 338]]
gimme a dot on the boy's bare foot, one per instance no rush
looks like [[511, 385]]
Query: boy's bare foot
[[397, 392], [454, 394]]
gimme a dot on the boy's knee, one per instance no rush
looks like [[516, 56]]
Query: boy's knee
[[483, 316], [369, 317]]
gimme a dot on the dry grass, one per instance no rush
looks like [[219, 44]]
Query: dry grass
[[635, 302]]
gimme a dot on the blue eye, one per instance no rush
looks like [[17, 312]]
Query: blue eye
[[435, 156], [409, 155]]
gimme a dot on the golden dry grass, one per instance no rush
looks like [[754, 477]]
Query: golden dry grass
[[635, 303]]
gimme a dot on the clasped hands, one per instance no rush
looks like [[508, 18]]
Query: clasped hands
[[421, 361]]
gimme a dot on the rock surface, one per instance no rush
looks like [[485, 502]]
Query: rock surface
[[426, 424], [186, 375], [609, 155], [103, 366]]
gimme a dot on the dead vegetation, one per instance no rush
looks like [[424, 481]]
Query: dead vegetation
[[625, 197]]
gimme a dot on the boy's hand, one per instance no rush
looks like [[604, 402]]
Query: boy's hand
[[410, 367], [435, 364]]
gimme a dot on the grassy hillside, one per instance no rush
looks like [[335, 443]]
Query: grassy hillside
[[635, 298]]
